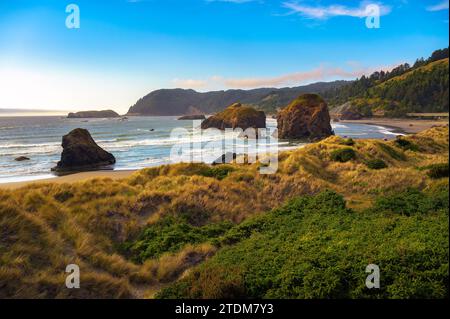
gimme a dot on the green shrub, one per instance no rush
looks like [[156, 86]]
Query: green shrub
[[406, 145], [170, 235], [376, 164], [315, 247], [438, 170], [343, 154], [221, 171], [392, 152], [348, 142], [412, 201]]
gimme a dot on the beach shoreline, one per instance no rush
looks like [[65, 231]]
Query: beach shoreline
[[401, 126], [71, 178], [404, 126]]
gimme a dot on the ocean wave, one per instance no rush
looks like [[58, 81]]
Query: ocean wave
[[334, 125], [7, 128], [386, 131], [13, 179], [203, 138], [28, 145]]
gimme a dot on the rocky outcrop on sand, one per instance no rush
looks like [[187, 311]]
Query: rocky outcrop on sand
[[93, 114], [80, 152], [350, 115], [236, 116], [305, 117], [192, 117], [346, 111]]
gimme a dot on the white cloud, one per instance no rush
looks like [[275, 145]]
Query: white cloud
[[190, 83], [439, 6], [325, 12], [321, 73]]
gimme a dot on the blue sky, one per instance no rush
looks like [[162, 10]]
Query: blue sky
[[125, 49]]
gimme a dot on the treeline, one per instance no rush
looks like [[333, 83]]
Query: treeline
[[422, 87]]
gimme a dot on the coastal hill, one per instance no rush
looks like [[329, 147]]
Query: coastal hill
[[93, 114], [226, 231], [190, 102], [422, 88]]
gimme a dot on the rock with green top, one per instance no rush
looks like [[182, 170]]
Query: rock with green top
[[236, 116], [305, 117]]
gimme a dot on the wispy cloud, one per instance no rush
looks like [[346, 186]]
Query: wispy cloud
[[325, 12], [439, 6], [321, 73], [190, 83], [317, 74]]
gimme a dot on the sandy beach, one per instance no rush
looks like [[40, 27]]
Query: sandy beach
[[76, 177], [401, 125]]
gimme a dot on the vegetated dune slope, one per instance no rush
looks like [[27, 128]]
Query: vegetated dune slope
[[194, 230]]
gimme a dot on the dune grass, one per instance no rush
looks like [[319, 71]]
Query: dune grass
[[134, 236]]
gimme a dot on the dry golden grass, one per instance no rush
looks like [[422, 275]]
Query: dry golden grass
[[44, 227]]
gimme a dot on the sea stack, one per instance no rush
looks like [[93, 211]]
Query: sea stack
[[192, 117], [93, 114], [236, 116], [80, 152], [305, 117]]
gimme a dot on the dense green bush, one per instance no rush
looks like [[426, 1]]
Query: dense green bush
[[410, 202], [343, 155], [438, 170], [348, 142], [406, 145], [170, 235], [315, 247], [376, 163], [220, 172], [392, 152]]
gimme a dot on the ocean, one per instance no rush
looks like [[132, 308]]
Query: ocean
[[138, 142]]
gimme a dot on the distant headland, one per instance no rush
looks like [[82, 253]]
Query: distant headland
[[93, 114]]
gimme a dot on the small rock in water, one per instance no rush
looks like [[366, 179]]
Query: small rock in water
[[192, 117], [22, 158], [152, 129]]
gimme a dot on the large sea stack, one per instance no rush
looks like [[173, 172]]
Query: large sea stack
[[80, 152], [236, 116], [305, 117]]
